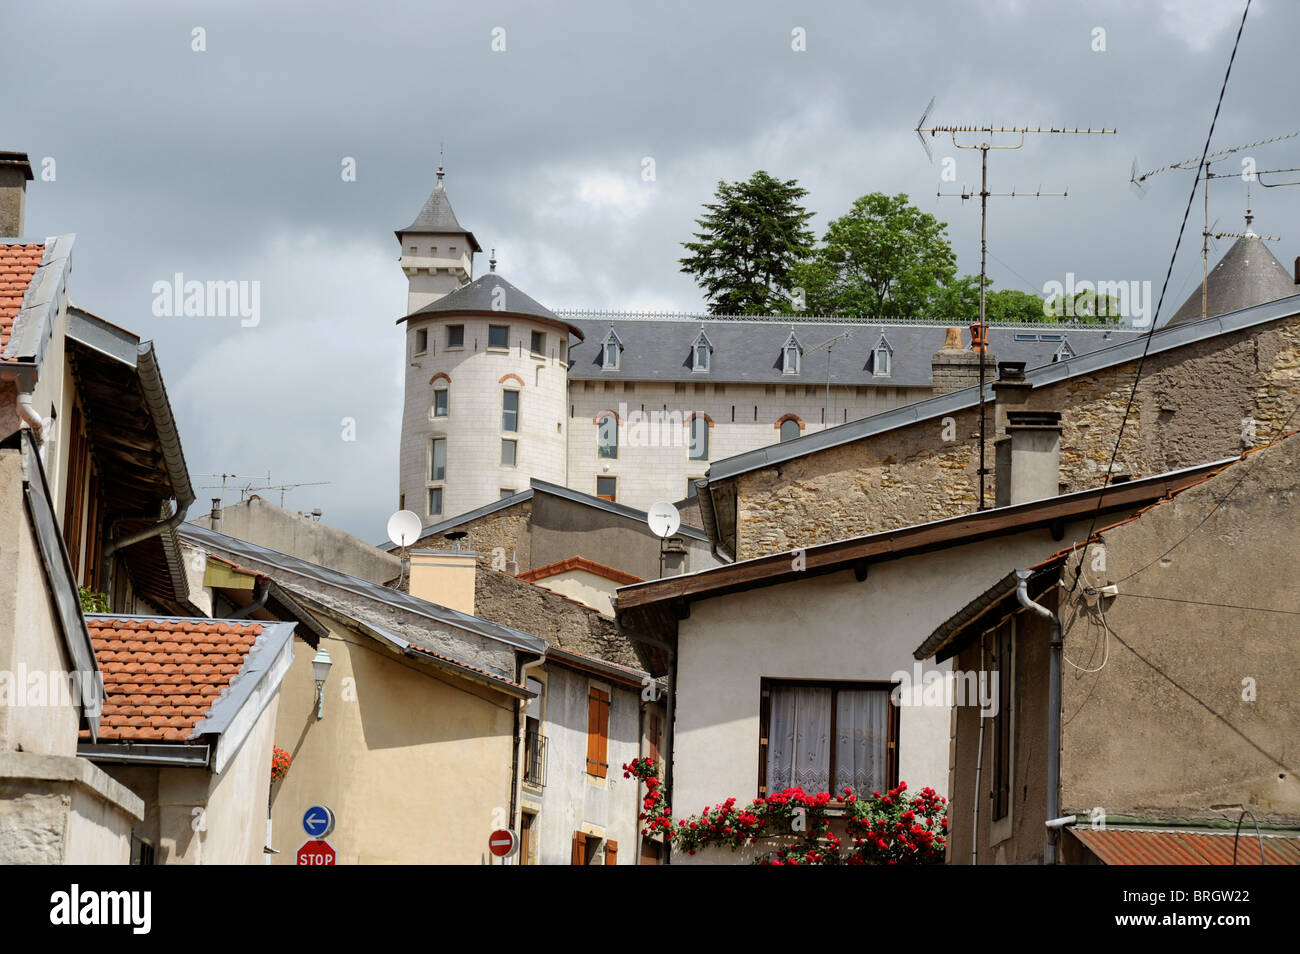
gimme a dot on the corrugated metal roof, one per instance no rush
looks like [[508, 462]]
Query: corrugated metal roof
[[1126, 846]]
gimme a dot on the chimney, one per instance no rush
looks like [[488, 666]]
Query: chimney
[[1010, 392], [15, 173], [953, 367], [214, 518], [1029, 457], [445, 577]]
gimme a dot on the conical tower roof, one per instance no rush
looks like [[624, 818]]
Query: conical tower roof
[[491, 294], [1247, 275], [438, 218]]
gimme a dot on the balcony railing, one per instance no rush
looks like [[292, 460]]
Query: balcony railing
[[535, 757]]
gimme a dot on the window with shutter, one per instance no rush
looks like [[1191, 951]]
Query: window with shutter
[[597, 732], [611, 852], [579, 848]]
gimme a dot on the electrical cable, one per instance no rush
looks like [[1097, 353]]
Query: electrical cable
[[1168, 273]]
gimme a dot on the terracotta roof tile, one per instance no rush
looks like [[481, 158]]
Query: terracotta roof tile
[[161, 676], [18, 263]]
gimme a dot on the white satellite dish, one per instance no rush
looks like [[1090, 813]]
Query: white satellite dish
[[663, 518], [404, 527]]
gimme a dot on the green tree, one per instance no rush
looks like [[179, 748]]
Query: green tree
[[1086, 307], [750, 238], [884, 258]]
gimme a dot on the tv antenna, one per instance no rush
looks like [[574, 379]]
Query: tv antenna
[[228, 477], [979, 343], [285, 488], [1205, 173], [828, 345]]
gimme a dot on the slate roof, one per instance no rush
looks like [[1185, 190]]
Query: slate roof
[[479, 297], [749, 350], [437, 217], [1247, 275], [162, 675], [18, 263]]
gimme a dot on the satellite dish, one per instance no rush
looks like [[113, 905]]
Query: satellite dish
[[404, 527], [663, 518]]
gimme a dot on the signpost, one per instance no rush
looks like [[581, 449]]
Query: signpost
[[316, 852], [503, 843], [318, 821]]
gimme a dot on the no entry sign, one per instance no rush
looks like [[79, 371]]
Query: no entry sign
[[502, 843], [316, 852]]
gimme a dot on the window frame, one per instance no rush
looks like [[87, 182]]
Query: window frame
[[457, 346], [434, 476], [767, 684], [428, 501], [597, 763], [514, 452], [532, 341], [505, 392], [500, 347], [703, 424], [797, 429], [611, 446], [612, 498], [445, 394], [421, 341]]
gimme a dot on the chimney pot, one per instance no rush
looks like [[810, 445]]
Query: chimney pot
[[952, 340]]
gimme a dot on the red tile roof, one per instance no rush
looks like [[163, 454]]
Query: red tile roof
[[162, 675], [18, 263], [1120, 846], [579, 563]]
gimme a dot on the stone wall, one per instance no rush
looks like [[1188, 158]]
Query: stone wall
[[506, 529], [1194, 404]]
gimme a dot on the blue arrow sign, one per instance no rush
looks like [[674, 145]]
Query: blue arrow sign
[[318, 821]]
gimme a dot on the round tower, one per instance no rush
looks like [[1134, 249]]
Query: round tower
[[486, 390]]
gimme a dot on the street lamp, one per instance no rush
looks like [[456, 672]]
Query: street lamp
[[320, 670]]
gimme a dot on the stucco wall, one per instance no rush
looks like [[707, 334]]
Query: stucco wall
[[572, 800], [412, 761], [1190, 407]]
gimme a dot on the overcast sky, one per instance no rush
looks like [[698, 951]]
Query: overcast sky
[[225, 164]]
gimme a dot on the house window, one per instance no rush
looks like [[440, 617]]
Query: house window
[[827, 736], [508, 451], [509, 410], [435, 501], [699, 437], [440, 402], [438, 459], [455, 336], [597, 732], [607, 437], [701, 357], [1002, 659], [422, 341], [537, 345], [526, 838], [881, 366], [534, 741], [605, 488], [790, 356], [612, 347], [789, 430], [589, 849], [499, 336]]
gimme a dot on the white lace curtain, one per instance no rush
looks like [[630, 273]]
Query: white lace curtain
[[800, 746]]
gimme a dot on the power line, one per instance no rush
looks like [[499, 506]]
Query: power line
[[1191, 197]]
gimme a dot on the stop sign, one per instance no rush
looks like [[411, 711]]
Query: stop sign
[[502, 842], [316, 852]]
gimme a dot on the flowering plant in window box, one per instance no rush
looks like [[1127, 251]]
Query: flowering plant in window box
[[885, 829], [280, 762]]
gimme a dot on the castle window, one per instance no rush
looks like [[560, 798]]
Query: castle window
[[422, 341], [438, 459], [1063, 352], [790, 355], [509, 410], [700, 351], [499, 336], [538, 343], [789, 429], [440, 402], [455, 336], [509, 451], [881, 358], [607, 437], [606, 488], [435, 501]]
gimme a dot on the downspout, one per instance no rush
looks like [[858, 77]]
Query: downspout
[[979, 768], [33, 418], [261, 592], [516, 776], [1053, 713], [670, 730], [172, 522]]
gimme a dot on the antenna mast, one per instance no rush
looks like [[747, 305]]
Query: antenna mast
[[980, 346]]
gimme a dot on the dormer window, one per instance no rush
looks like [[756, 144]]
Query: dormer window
[[1063, 353], [882, 358], [612, 348], [700, 351], [790, 352]]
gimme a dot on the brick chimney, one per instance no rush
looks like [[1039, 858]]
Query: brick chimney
[[954, 367], [1010, 393], [15, 173], [1029, 457], [445, 577]]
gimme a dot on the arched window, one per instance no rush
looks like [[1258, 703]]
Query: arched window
[[699, 439], [607, 436], [789, 429]]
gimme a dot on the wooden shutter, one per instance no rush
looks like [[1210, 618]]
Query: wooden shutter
[[579, 848], [611, 852], [525, 838], [75, 488], [653, 732], [597, 732]]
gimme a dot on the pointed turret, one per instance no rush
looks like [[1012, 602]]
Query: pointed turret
[[437, 253], [1247, 275]]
